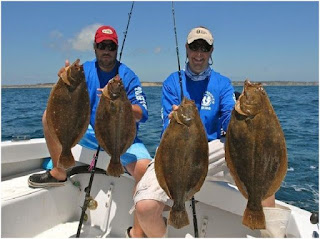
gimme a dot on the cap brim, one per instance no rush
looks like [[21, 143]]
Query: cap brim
[[101, 39], [198, 38]]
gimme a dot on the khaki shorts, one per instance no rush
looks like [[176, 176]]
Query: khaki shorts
[[149, 188]]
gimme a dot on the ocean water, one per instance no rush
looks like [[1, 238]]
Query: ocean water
[[296, 107]]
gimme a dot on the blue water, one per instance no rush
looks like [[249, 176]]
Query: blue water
[[296, 107]]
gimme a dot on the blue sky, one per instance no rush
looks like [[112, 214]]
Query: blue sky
[[262, 41]]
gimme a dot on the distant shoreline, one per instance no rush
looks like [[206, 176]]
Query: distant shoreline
[[147, 84]]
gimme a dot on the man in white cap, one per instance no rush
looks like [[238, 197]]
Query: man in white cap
[[214, 97]]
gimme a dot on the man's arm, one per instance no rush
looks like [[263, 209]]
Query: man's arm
[[136, 97], [137, 112], [227, 99], [169, 102]]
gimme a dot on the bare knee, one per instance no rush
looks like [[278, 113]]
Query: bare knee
[[141, 168], [149, 215], [137, 169], [148, 209]]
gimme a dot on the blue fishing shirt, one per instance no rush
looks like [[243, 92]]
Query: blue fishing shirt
[[213, 96], [96, 78]]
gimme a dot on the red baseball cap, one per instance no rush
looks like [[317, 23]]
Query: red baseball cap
[[106, 33]]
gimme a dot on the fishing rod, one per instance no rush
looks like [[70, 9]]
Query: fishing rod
[[177, 50], [195, 222], [88, 198], [88, 190], [125, 33]]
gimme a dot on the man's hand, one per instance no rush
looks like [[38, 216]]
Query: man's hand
[[137, 112], [174, 108], [63, 69], [100, 90]]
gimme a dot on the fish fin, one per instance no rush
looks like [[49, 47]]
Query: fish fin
[[66, 159], [198, 186], [178, 219], [115, 169], [282, 171], [254, 219], [160, 176], [233, 170]]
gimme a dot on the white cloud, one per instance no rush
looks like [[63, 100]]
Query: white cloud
[[157, 50], [84, 39], [55, 34], [56, 41]]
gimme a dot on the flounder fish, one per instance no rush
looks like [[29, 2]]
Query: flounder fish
[[255, 151], [181, 161], [68, 111], [115, 126]]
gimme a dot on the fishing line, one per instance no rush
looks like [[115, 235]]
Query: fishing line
[[125, 33], [195, 222], [177, 50]]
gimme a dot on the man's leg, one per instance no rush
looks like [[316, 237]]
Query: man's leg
[[137, 170], [149, 213], [269, 202], [54, 149], [150, 200]]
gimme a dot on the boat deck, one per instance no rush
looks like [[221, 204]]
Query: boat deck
[[55, 212]]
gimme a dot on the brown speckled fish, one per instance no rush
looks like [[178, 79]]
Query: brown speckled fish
[[68, 111], [115, 126], [181, 161], [256, 151]]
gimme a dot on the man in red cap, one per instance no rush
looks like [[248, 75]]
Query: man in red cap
[[106, 39], [98, 72]]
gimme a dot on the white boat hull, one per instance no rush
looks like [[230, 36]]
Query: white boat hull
[[55, 212]]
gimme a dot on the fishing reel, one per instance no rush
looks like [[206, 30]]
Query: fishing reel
[[85, 217], [92, 204]]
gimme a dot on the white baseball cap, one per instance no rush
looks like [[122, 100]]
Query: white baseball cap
[[200, 33]]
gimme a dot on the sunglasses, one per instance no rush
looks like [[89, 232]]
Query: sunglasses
[[195, 46], [109, 46]]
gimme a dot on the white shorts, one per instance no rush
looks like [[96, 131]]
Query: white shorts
[[149, 188]]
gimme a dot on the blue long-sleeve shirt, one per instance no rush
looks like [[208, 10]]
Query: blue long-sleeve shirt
[[214, 98], [96, 78]]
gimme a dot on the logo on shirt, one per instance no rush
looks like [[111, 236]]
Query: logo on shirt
[[207, 101], [140, 97]]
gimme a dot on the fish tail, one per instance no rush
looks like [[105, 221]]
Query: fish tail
[[178, 219], [66, 159], [254, 219], [115, 169]]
